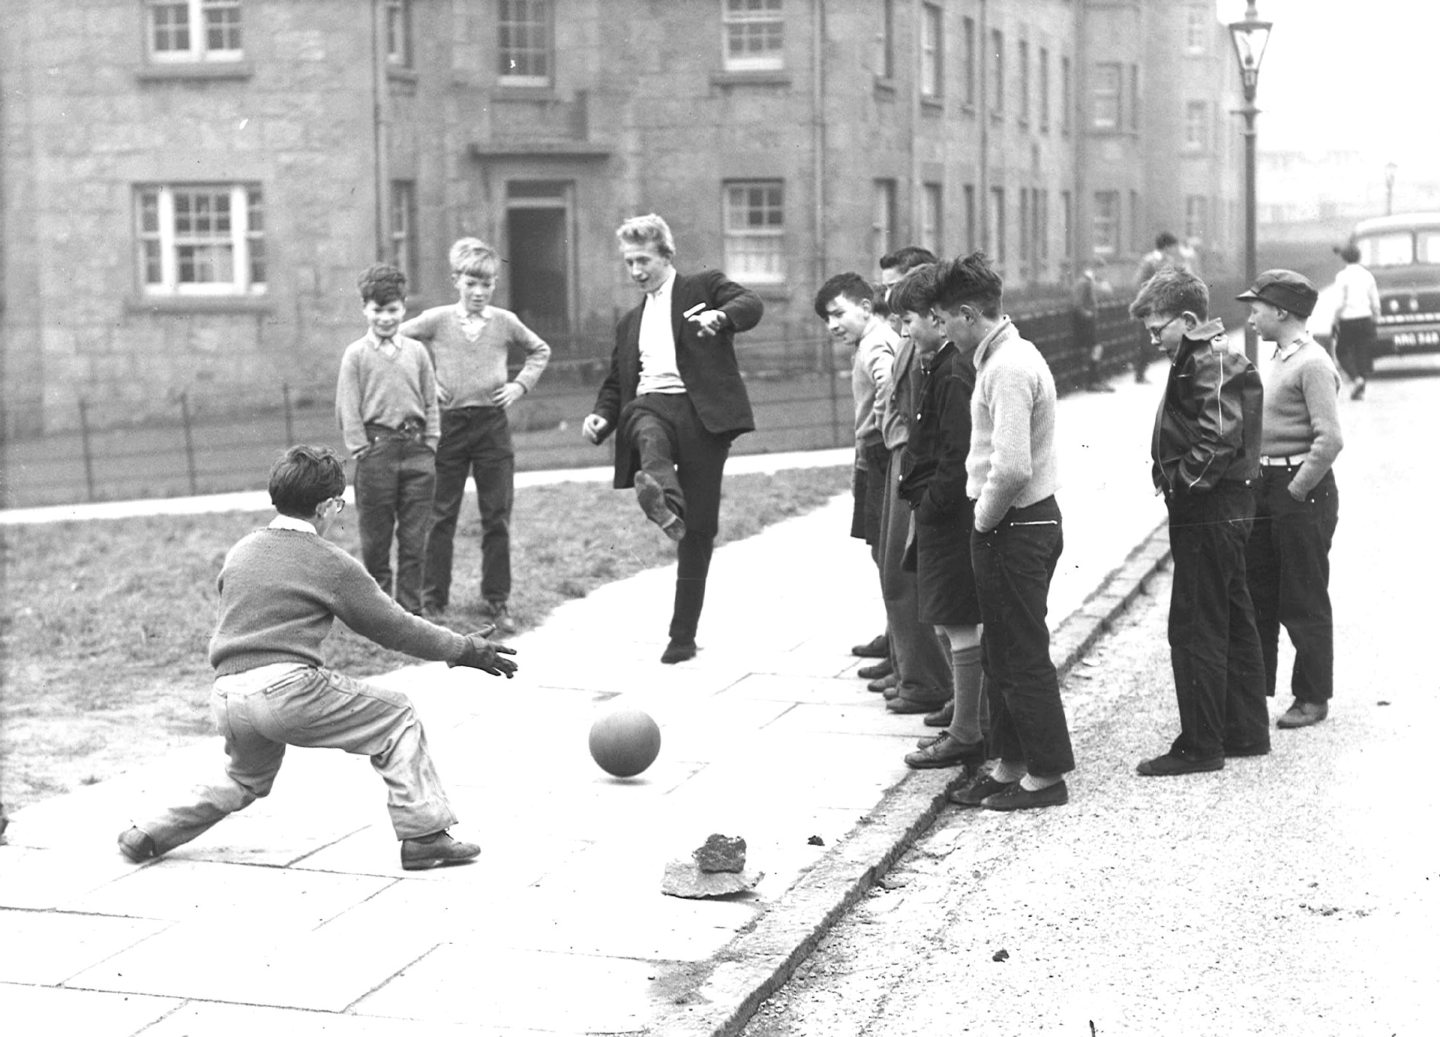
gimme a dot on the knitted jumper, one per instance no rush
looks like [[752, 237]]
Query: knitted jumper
[[1301, 416], [1012, 461], [374, 389], [281, 590], [469, 372]]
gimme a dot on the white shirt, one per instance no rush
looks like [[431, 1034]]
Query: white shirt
[[1359, 297], [659, 371]]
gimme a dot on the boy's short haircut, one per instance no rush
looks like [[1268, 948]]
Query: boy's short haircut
[[916, 293], [303, 477], [968, 280], [382, 284], [907, 258], [648, 231], [849, 284], [1170, 293], [471, 256]]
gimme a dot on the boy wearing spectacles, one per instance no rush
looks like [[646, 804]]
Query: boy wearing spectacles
[[281, 590], [1206, 458]]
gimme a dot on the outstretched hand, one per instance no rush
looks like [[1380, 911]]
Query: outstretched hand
[[480, 654]]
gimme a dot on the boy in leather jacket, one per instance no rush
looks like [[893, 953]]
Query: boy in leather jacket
[[1206, 455]]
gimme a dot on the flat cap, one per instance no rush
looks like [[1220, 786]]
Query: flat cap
[[1285, 289]]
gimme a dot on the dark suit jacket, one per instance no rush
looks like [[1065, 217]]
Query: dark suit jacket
[[707, 365]]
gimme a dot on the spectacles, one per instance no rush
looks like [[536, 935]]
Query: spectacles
[[339, 504], [1156, 332]]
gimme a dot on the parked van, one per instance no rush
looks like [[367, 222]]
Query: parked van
[[1403, 252]]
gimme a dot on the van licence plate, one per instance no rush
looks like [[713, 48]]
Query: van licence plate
[[1417, 338]]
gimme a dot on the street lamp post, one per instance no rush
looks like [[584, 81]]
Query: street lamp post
[[1250, 37], [1389, 188]]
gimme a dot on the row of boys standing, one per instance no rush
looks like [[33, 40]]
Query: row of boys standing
[[422, 405], [954, 490]]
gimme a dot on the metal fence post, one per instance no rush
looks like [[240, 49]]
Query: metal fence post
[[85, 449], [189, 442], [289, 416]]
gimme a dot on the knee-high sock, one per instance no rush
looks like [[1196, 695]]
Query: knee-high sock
[[965, 667]]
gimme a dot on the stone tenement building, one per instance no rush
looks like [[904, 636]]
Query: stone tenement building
[[189, 187]]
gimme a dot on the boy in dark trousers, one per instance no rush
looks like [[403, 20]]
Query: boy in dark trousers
[[386, 405], [281, 590], [470, 345], [1206, 454]]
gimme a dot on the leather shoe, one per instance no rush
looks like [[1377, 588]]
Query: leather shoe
[[875, 670], [677, 651], [1018, 797], [651, 496], [137, 846], [878, 647], [884, 683], [1171, 764], [947, 751], [1251, 749], [900, 704], [435, 850], [977, 791], [942, 716], [1303, 714]]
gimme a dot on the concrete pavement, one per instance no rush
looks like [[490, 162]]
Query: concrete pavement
[[294, 915]]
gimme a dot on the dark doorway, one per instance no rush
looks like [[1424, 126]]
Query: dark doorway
[[537, 234]]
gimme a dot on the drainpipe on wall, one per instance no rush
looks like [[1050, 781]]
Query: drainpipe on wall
[[983, 186], [817, 141], [380, 119]]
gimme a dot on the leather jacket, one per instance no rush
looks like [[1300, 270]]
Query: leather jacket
[[1207, 430]]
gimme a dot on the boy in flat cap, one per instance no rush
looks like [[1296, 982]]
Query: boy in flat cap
[[1288, 556], [1205, 450]]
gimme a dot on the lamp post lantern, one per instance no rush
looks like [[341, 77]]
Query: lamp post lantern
[[1250, 37], [1390, 168]]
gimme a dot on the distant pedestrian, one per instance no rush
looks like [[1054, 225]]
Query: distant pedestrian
[[1288, 556], [281, 589], [933, 483], [1016, 541], [675, 400], [1090, 292], [1205, 454], [470, 343], [1356, 312], [390, 418], [1166, 253]]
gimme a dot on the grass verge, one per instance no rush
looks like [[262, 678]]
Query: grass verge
[[105, 625]]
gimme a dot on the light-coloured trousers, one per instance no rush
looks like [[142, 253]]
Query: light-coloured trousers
[[312, 706]]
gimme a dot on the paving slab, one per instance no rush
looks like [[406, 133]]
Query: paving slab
[[295, 915]]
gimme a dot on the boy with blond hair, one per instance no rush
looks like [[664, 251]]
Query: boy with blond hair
[[470, 342]]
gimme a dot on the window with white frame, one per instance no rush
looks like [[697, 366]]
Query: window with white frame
[[885, 41], [527, 55], [1024, 53], [1066, 97], [397, 33], [932, 66], [1197, 217], [1105, 97], [1198, 22], [403, 250], [882, 223], [1197, 125], [1105, 226], [754, 35], [193, 30], [997, 85], [932, 217], [201, 239], [967, 53], [755, 231], [1044, 90]]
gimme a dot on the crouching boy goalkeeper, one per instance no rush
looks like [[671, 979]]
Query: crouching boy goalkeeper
[[281, 590]]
